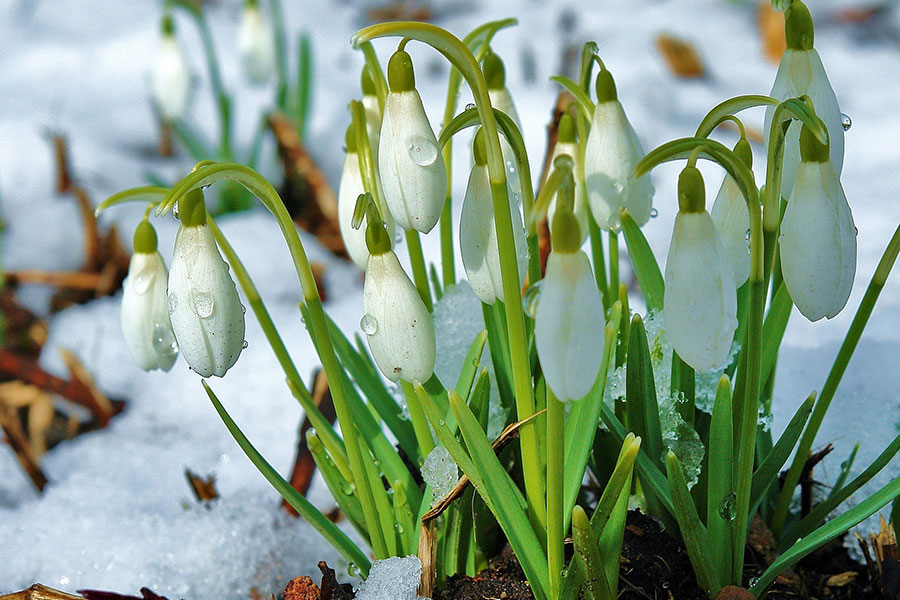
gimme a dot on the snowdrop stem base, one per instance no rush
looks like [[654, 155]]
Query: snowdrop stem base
[[613, 264], [860, 319], [555, 484]]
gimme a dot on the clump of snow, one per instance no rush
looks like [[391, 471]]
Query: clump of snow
[[395, 578], [457, 320], [440, 472]]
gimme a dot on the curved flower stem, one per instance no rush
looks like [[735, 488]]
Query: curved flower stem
[[223, 101], [257, 185], [747, 411], [461, 58], [381, 86], [556, 437], [729, 107], [834, 378]]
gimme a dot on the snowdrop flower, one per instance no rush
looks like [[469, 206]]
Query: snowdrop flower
[[818, 237], [256, 45], [396, 322], [611, 152], [478, 234], [569, 324], [501, 99], [801, 72], [204, 306], [145, 316], [409, 160], [729, 214], [701, 300], [566, 144], [371, 108], [170, 79]]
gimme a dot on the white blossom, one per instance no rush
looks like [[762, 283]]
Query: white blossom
[[256, 46], [170, 80], [145, 315], [732, 221]]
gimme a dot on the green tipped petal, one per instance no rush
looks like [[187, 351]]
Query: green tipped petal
[[798, 27], [691, 191], [145, 241], [401, 77]]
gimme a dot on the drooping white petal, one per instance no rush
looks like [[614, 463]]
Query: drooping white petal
[[502, 100], [373, 121], [351, 186], [701, 300], [170, 80], [818, 242], [801, 72], [581, 209], [204, 306], [256, 46], [397, 324], [145, 315], [611, 152], [478, 238], [569, 326], [410, 163], [732, 221]]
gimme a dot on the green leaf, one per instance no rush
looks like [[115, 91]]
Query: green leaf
[[773, 329], [826, 533], [705, 564], [612, 536], [341, 489], [595, 585], [304, 84], [640, 392], [646, 269], [584, 101], [822, 510], [845, 471], [470, 365], [337, 538], [720, 484]]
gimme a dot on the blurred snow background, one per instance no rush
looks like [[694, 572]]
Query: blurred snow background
[[113, 517]]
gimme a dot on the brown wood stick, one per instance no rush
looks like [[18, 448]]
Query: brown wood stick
[[77, 280], [40, 592], [17, 440]]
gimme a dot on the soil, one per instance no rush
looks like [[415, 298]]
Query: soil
[[655, 566]]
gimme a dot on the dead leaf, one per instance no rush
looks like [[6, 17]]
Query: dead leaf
[[841, 579], [681, 56], [770, 24]]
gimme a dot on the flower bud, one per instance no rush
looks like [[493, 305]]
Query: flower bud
[[397, 324], [566, 145], [700, 298], [569, 326], [801, 72], [409, 160], [145, 316], [170, 80], [611, 152], [732, 221], [478, 233], [818, 237], [206, 312], [256, 45]]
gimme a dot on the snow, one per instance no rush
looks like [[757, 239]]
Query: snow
[[113, 515], [440, 472], [395, 578]]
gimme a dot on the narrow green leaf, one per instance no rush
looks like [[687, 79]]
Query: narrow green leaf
[[705, 564], [720, 484], [646, 269], [384, 509], [612, 536], [435, 282], [470, 365], [845, 470], [584, 101], [341, 489], [640, 392], [337, 538], [773, 329], [495, 323], [304, 84], [595, 585], [480, 400]]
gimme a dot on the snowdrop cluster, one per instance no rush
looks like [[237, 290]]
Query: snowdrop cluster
[[194, 309]]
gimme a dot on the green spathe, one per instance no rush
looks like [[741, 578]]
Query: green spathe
[[401, 77]]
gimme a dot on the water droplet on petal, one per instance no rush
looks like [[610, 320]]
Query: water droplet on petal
[[204, 305], [173, 302], [422, 151], [727, 508], [175, 209], [617, 187], [846, 122], [163, 341], [532, 298], [470, 106], [654, 213], [143, 279], [747, 235], [368, 324], [398, 237], [244, 344], [243, 309]]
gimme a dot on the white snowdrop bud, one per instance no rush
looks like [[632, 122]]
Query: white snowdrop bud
[[256, 45], [397, 324], [818, 237], [569, 325], [700, 300], [410, 163], [732, 221], [611, 152], [478, 234], [170, 80], [801, 72], [206, 312], [145, 317], [566, 145]]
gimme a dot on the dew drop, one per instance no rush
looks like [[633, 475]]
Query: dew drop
[[532, 298], [368, 324], [243, 309], [470, 106], [398, 527], [245, 344], [143, 279], [846, 122], [422, 151], [175, 209], [164, 344], [617, 187], [398, 237], [204, 305], [347, 487], [747, 235], [173, 303], [353, 570], [654, 213], [753, 581], [727, 507]]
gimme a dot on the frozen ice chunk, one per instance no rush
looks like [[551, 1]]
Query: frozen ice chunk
[[457, 320], [395, 578], [440, 471]]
